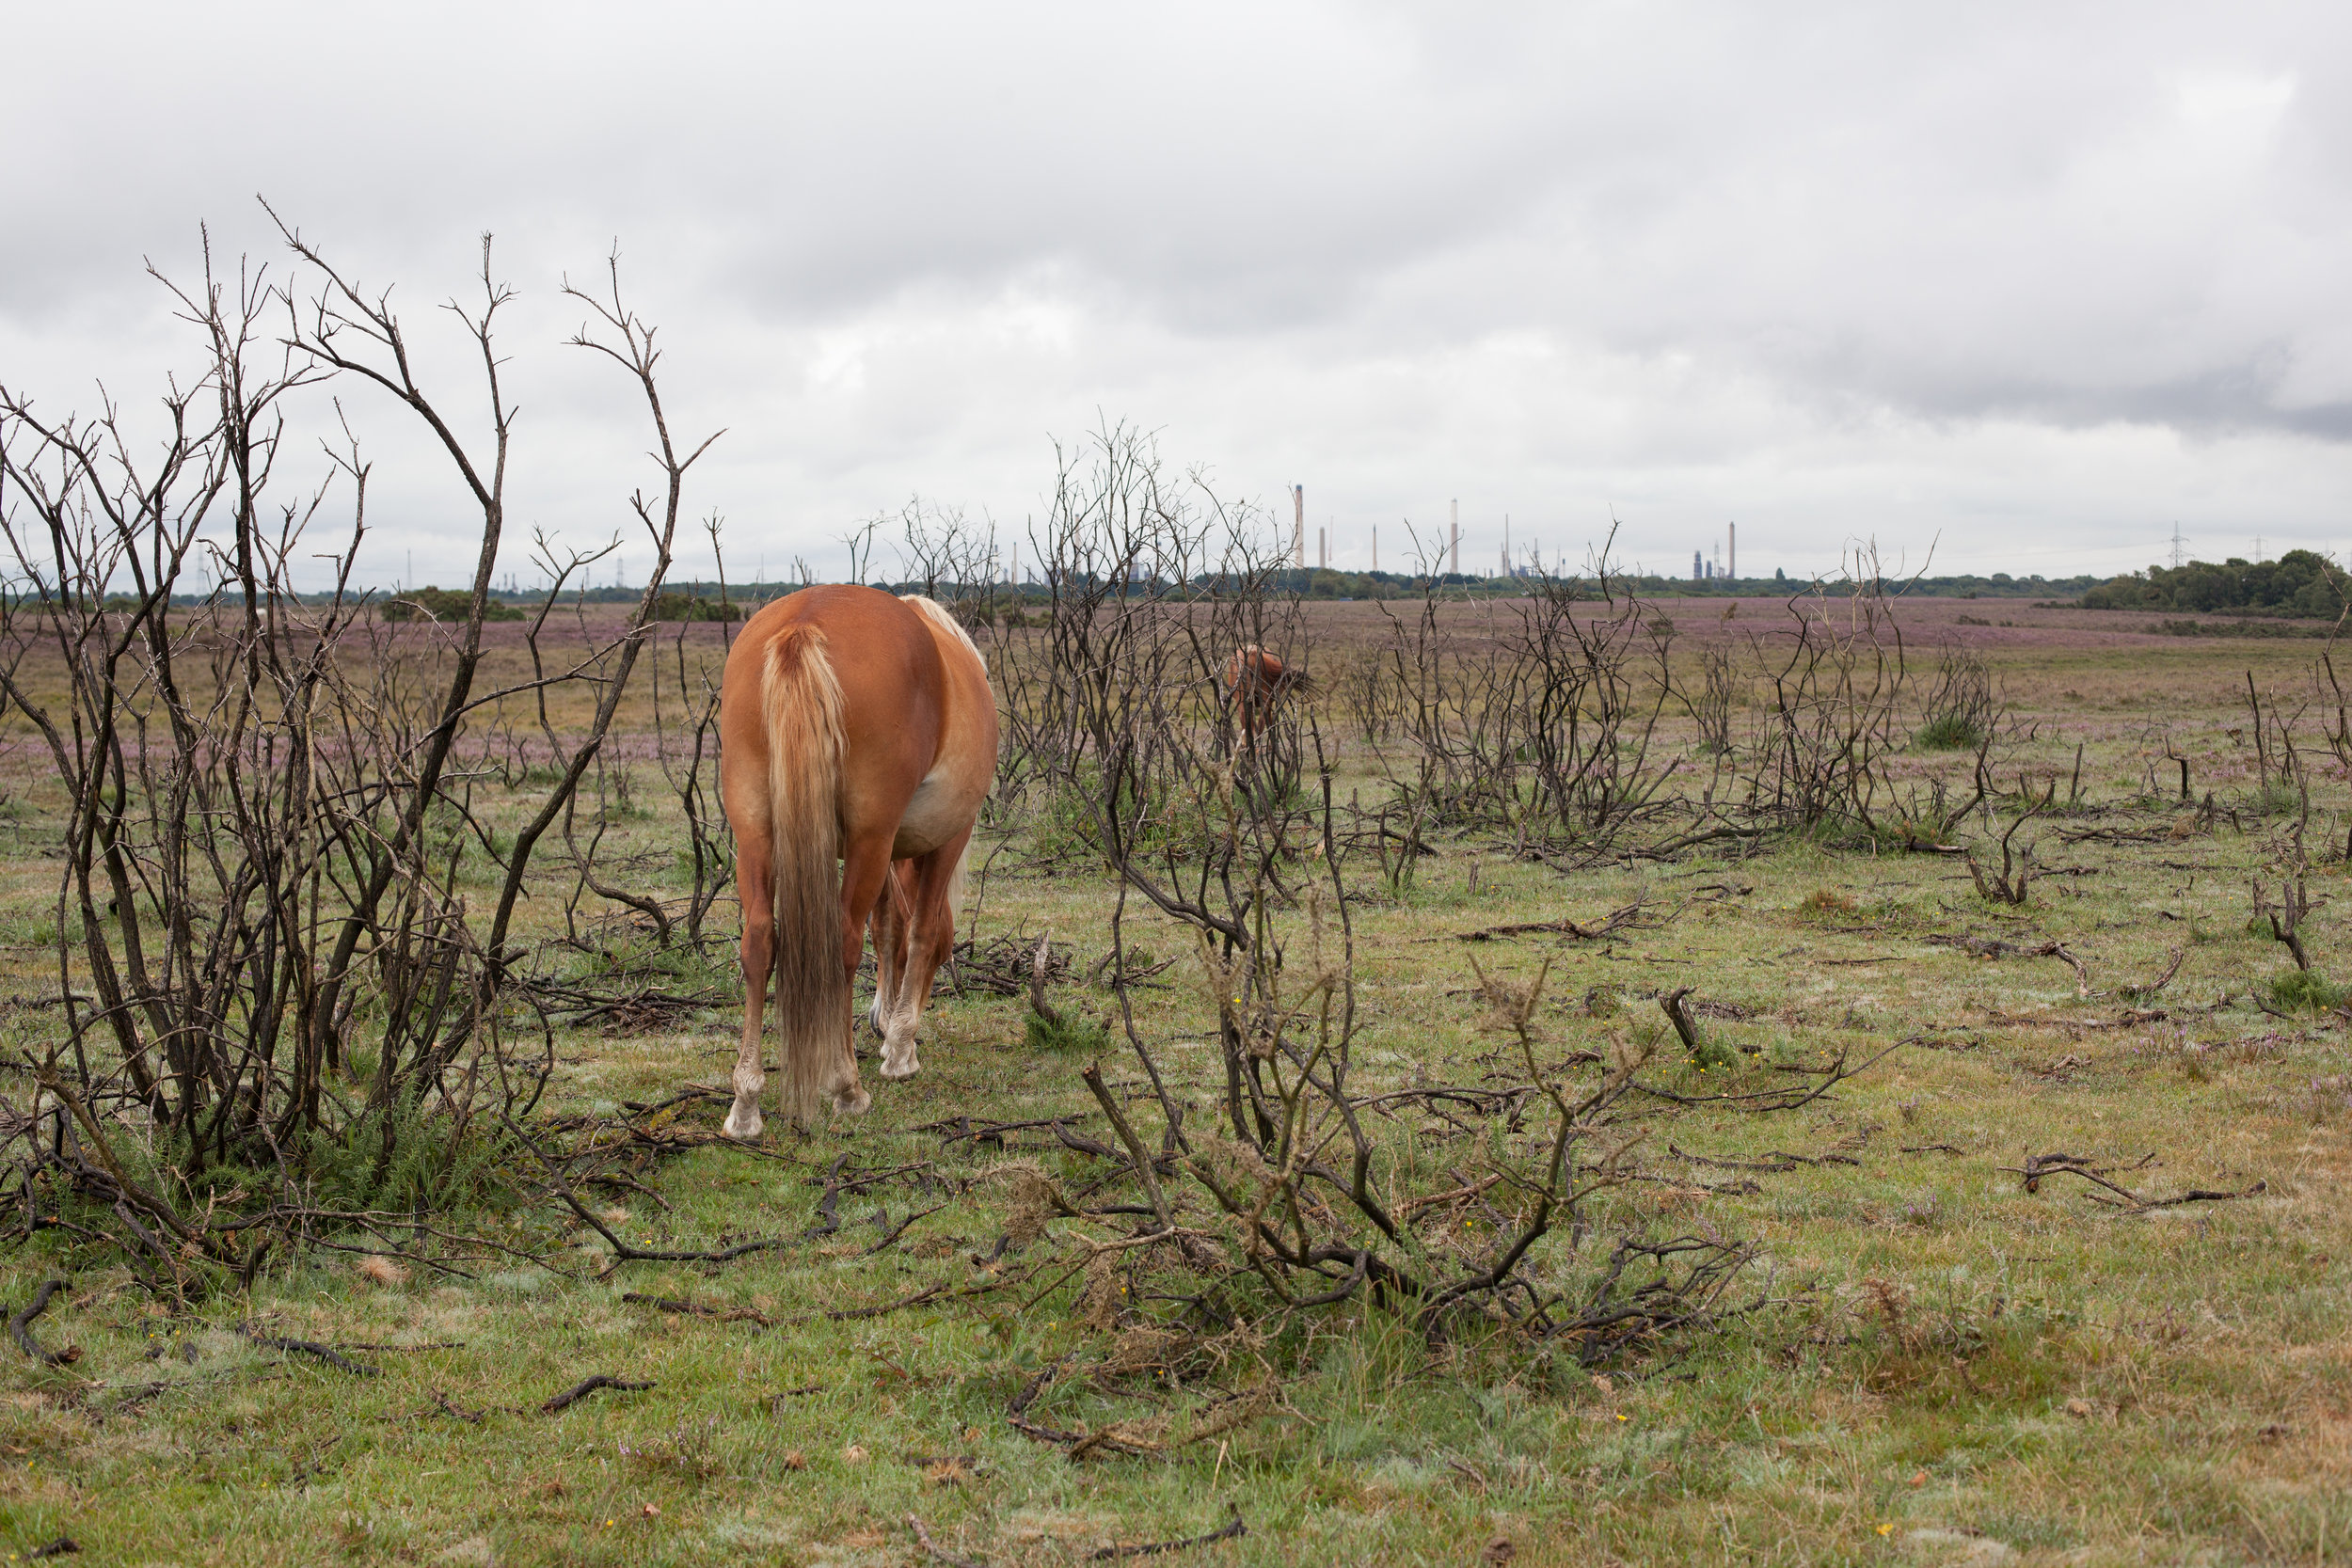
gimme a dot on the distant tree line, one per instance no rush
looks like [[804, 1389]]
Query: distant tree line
[[2299, 583], [713, 601], [1324, 583]]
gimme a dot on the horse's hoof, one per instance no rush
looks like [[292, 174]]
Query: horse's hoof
[[900, 1066], [742, 1124], [853, 1101]]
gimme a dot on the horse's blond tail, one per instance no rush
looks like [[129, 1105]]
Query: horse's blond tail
[[803, 704]]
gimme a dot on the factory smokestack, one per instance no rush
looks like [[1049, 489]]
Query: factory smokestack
[[1457, 524], [1732, 554]]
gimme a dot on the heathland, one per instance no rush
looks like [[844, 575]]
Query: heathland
[[1830, 1079]]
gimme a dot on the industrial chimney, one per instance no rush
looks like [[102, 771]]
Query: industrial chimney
[[1457, 567]]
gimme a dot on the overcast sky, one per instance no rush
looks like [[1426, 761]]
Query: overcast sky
[[2036, 281]]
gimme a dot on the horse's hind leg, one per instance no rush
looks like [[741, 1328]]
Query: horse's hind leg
[[888, 928], [756, 882], [863, 870], [931, 890]]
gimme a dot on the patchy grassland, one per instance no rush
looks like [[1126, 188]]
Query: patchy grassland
[[1947, 1368]]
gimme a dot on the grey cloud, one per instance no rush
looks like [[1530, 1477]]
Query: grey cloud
[[1702, 259]]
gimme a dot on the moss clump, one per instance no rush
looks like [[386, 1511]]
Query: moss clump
[[1949, 731], [1068, 1036], [2303, 989]]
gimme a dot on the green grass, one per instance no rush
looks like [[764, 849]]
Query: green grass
[[1929, 1358], [1949, 731], [2310, 989], [1066, 1037]]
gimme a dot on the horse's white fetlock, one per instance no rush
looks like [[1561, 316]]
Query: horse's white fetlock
[[898, 1053], [743, 1119]]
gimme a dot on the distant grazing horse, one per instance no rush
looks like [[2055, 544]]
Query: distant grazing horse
[[858, 738], [1255, 682]]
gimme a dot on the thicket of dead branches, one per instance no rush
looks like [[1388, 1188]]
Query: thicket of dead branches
[[296, 833], [1444, 1204]]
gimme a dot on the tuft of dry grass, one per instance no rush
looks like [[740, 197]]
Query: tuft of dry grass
[[376, 1269]]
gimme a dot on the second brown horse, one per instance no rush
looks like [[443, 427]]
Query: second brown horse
[[858, 737], [1256, 682]]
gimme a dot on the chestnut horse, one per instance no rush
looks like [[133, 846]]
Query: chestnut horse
[[857, 740], [1255, 682]]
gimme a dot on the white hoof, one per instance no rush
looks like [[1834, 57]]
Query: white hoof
[[743, 1123], [899, 1062], [853, 1101]]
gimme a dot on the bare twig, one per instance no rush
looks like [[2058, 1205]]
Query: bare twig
[[19, 1328], [1144, 1171], [937, 1552], [586, 1386], [1231, 1530], [1634, 916], [327, 1353]]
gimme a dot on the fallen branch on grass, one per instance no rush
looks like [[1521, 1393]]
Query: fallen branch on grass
[[862, 1179], [1711, 835], [622, 1251], [844, 1314], [901, 1228], [1004, 964], [327, 1353], [695, 1309], [2142, 994], [1107, 1439], [2039, 1166], [1406, 1208], [639, 1011], [20, 1329], [690, 1095], [1779, 1164], [2200, 1195], [447, 1407], [1629, 917], [1985, 947], [586, 1386], [1233, 1531], [1083, 1144], [935, 1550], [1760, 1100], [957, 1128], [929, 1292]]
